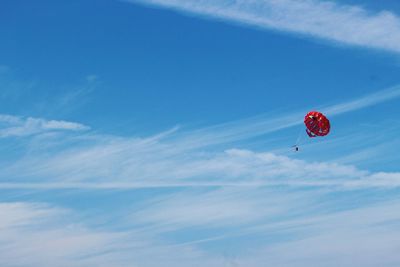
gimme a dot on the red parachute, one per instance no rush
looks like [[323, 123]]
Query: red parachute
[[317, 124]]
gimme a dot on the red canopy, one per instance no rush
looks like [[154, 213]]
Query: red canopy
[[317, 124]]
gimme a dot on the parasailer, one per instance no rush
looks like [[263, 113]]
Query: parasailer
[[317, 124]]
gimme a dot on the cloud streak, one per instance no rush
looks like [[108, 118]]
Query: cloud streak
[[268, 123], [75, 162], [201, 193], [327, 20], [37, 234], [364, 102], [13, 126]]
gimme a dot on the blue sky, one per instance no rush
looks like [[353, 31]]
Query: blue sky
[[159, 133]]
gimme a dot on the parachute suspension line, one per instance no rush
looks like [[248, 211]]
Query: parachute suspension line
[[299, 140], [300, 134]]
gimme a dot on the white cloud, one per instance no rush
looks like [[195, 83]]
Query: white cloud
[[267, 123], [223, 133], [17, 126], [36, 234], [170, 159], [327, 20], [60, 125], [33, 234], [216, 208], [141, 163], [223, 194], [364, 236], [364, 102]]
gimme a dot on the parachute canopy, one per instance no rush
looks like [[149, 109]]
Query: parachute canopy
[[317, 124]]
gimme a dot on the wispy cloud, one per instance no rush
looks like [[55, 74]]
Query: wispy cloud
[[18, 126], [287, 226], [364, 102], [138, 162], [327, 20], [74, 97], [363, 236], [233, 168], [222, 192], [36, 234], [15, 90], [272, 122]]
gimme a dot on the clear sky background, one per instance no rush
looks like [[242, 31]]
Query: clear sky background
[[159, 133]]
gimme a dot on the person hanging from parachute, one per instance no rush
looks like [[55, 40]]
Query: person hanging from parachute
[[317, 125]]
